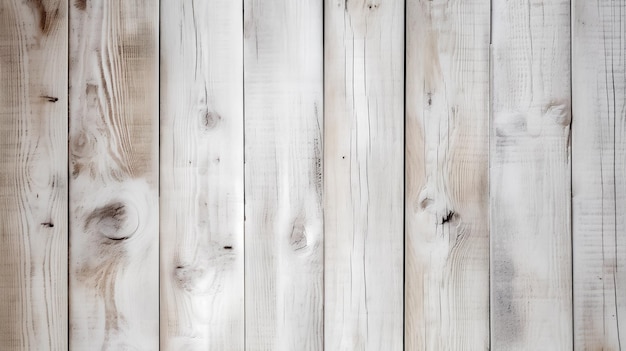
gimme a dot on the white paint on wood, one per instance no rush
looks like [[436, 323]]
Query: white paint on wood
[[283, 174], [447, 223], [202, 173], [531, 304], [363, 174], [598, 164], [33, 175], [113, 146]]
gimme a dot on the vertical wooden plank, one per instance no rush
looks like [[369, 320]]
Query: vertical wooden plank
[[598, 164], [202, 175], [363, 172], [114, 267], [283, 174], [33, 175], [531, 304], [447, 155]]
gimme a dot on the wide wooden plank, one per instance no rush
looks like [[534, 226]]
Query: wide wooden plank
[[447, 154], [531, 303], [599, 173], [114, 257], [202, 175], [363, 174], [283, 174], [33, 175]]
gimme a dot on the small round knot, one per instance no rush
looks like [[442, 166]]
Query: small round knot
[[115, 221], [209, 120]]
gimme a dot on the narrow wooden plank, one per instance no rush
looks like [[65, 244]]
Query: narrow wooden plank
[[202, 173], [363, 173], [598, 164], [283, 86], [447, 155], [114, 267], [531, 288], [33, 175]]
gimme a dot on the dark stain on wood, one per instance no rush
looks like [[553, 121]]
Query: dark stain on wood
[[91, 89], [48, 224], [108, 220], [46, 17], [81, 4], [317, 170], [425, 203], [512, 326], [76, 168], [448, 217], [119, 239], [50, 98], [228, 247], [297, 239], [210, 120]]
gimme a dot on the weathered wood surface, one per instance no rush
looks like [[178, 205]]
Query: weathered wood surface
[[33, 175], [447, 222], [113, 145], [363, 174], [283, 61], [202, 173], [598, 164], [531, 287], [340, 230]]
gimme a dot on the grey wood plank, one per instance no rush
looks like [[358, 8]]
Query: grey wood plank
[[33, 175], [283, 85], [363, 174], [447, 163], [530, 179], [202, 171], [598, 165], [114, 148]]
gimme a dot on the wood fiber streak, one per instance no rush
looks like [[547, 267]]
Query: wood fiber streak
[[33, 175], [202, 173], [283, 60], [447, 150], [531, 287], [363, 173], [599, 173], [114, 257]]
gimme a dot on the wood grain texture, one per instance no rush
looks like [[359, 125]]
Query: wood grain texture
[[283, 60], [114, 257], [598, 164], [363, 173], [447, 154], [202, 171], [531, 287], [33, 175]]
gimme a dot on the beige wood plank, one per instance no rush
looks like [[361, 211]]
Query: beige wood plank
[[531, 287], [202, 173], [283, 61], [447, 154], [363, 173], [33, 175], [598, 165], [114, 257]]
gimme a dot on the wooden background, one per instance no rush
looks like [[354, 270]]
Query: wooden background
[[312, 174]]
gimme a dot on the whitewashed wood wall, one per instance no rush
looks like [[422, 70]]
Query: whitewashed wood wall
[[312, 175]]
